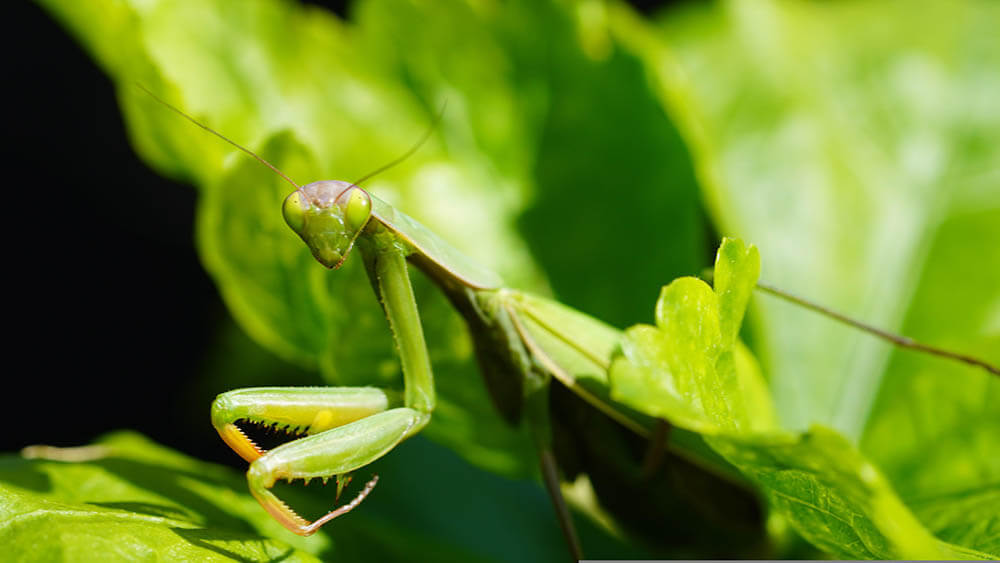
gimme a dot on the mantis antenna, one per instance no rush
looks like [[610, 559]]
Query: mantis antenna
[[219, 135], [409, 153], [893, 338], [898, 340], [260, 159]]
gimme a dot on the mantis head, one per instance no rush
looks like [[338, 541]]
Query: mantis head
[[328, 215]]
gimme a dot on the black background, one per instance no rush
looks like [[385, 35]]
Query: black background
[[109, 310]]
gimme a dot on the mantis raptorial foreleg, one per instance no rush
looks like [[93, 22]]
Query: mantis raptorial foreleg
[[299, 410], [347, 428], [334, 452]]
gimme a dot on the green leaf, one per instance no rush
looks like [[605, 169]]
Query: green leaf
[[127, 498], [609, 229], [736, 271], [833, 496], [685, 370], [843, 137], [856, 142], [967, 518], [935, 423]]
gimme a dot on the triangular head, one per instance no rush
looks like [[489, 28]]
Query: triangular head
[[328, 215]]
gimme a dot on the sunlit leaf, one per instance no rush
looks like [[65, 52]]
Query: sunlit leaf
[[857, 143], [685, 368], [684, 371], [126, 498], [967, 518], [842, 147]]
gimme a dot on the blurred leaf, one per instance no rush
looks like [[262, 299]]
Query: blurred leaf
[[545, 84], [617, 204], [936, 424], [857, 143], [840, 137]]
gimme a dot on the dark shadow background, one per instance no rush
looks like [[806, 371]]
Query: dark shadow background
[[110, 315], [110, 309]]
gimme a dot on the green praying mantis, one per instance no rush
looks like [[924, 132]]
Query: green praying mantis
[[522, 342]]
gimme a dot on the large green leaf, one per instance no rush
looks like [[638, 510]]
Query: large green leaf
[[857, 142], [935, 428], [835, 498], [968, 518], [683, 370], [127, 498], [841, 137]]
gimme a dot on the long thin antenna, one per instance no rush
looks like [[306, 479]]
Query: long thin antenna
[[219, 135], [898, 340], [408, 153]]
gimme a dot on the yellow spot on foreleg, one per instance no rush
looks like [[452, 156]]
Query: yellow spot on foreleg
[[324, 420]]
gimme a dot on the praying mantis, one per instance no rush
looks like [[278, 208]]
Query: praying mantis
[[522, 342]]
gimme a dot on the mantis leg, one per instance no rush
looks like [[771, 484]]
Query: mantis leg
[[334, 452], [347, 428], [538, 418], [385, 261], [298, 410]]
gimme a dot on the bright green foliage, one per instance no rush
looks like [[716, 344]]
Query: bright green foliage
[[855, 143], [683, 370], [132, 499], [831, 495], [969, 518], [135, 501], [935, 425]]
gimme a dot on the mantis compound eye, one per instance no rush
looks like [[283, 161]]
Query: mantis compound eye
[[357, 205], [294, 211]]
